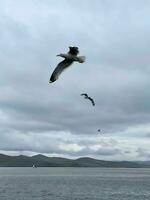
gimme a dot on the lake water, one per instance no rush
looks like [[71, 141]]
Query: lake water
[[74, 184]]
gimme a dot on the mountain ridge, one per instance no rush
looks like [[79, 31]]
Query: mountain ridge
[[43, 161]]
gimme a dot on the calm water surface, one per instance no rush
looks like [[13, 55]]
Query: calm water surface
[[74, 184]]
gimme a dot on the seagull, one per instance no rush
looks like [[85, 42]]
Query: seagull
[[87, 97], [69, 58]]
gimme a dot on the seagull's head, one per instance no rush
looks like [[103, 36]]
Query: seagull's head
[[61, 55], [58, 55], [73, 50]]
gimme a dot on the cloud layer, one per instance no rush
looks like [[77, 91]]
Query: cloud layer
[[36, 117]]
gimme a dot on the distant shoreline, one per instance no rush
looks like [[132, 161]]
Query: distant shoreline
[[44, 161]]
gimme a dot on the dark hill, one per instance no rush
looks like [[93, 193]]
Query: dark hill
[[44, 161]]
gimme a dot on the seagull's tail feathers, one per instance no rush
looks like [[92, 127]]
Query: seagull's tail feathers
[[81, 59]]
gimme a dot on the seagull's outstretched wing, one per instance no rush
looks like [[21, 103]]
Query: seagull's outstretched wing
[[84, 94], [93, 103], [59, 69]]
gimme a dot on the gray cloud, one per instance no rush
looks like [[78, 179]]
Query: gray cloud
[[114, 36]]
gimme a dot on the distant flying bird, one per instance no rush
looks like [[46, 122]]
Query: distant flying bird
[[70, 57], [87, 97]]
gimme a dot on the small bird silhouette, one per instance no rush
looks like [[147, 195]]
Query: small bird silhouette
[[87, 97], [70, 57]]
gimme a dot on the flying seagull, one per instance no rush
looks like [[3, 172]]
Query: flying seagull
[[87, 97], [69, 58]]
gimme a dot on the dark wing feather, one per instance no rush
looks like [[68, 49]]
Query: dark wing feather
[[84, 94], [59, 69], [93, 103]]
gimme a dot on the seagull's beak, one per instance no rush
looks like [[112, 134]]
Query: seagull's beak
[[58, 55]]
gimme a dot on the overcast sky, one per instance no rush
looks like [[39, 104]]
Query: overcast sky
[[53, 119]]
